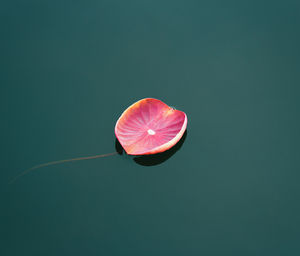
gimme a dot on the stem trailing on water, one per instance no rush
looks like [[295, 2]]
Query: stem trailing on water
[[59, 162]]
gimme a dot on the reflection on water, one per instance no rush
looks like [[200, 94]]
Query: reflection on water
[[150, 160]]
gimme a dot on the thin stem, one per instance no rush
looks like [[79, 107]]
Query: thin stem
[[59, 162]]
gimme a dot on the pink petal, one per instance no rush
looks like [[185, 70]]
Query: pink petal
[[149, 126]]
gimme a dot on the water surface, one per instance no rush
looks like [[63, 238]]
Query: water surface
[[69, 69]]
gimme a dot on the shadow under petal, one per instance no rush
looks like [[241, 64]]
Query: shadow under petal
[[119, 147], [150, 160]]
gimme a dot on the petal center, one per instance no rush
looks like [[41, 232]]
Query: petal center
[[151, 132]]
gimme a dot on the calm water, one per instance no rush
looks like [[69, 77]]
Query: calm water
[[69, 69]]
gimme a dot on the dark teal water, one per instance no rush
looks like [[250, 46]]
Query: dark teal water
[[69, 69]]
